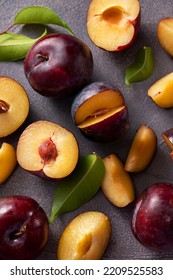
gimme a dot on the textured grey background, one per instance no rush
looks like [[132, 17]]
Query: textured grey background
[[108, 67]]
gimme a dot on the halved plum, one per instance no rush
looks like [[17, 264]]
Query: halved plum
[[99, 111], [48, 150]]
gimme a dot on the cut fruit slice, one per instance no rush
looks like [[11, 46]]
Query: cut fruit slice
[[142, 149], [85, 237], [47, 149], [8, 161], [117, 185], [14, 106], [165, 34], [100, 116], [102, 102], [161, 91]]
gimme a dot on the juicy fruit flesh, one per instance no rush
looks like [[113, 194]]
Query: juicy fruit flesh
[[8, 161], [165, 34], [161, 91], [110, 24], [142, 149], [117, 184], [85, 238], [99, 117], [40, 132], [102, 102], [14, 96]]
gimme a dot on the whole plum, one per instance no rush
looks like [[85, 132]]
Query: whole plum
[[24, 228], [58, 65], [152, 220]]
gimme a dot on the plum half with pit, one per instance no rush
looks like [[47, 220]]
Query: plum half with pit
[[48, 150], [99, 111], [152, 220], [58, 65], [24, 228]]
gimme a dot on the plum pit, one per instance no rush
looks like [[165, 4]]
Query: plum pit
[[48, 151]]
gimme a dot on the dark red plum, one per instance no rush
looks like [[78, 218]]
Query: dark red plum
[[58, 65], [24, 228], [99, 111], [152, 220]]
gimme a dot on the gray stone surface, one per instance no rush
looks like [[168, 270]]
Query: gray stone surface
[[109, 67]]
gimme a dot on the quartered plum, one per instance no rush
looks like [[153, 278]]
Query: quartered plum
[[152, 220], [99, 111]]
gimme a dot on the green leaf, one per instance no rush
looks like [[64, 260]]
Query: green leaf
[[15, 46], [39, 15], [79, 187], [142, 68]]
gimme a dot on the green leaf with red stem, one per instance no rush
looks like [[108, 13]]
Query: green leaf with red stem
[[15, 46], [38, 15]]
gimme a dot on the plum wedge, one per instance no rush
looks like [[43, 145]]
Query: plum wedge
[[85, 237], [117, 185], [14, 106], [161, 91], [142, 149], [165, 34]]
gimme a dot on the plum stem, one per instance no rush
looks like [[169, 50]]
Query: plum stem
[[42, 58], [6, 30], [19, 233], [4, 107]]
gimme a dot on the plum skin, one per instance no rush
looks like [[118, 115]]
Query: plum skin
[[110, 129], [22, 212], [136, 23], [58, 65], [152, 219]]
